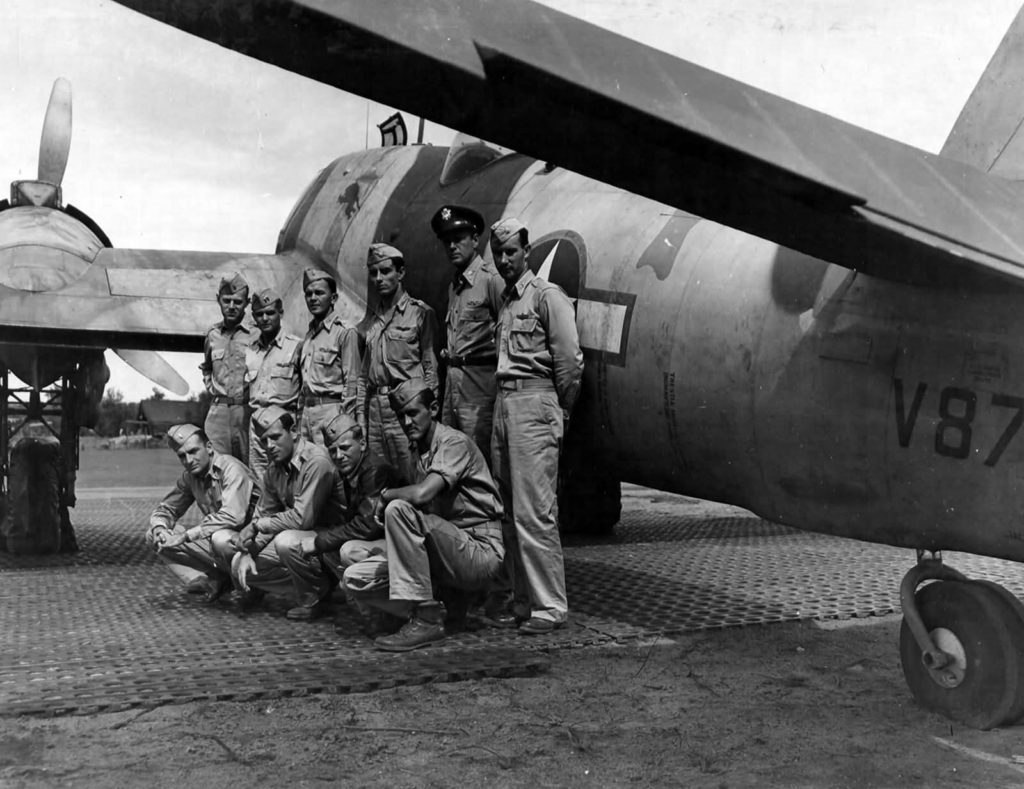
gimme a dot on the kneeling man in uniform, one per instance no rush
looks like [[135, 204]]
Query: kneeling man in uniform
[[221, 487], [442, 531], [301, 494]]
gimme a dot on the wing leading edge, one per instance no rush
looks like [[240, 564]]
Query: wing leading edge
[[560, 89]]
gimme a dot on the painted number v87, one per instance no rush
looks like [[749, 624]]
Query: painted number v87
[[957, 409]]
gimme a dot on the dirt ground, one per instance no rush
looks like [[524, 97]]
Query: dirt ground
[[811, 704], [799, 705]]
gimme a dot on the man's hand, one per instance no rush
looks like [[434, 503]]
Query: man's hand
[[171, 540], [307, 546], [241, 566], [262, 525]]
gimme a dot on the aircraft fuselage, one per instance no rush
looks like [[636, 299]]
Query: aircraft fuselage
[[721, 365]]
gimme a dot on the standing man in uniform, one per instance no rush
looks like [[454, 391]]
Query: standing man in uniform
[[301, 494], [474, 299], [223, 368], [444, 530], [399, 346], [540, 365], [221, 487], [329, 358], [272, 369]]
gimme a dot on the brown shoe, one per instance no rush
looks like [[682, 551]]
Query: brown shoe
[[215, 590], [307, 613], [414, 634], [381, 623], [538, 627], [250, 599], [198, 585]]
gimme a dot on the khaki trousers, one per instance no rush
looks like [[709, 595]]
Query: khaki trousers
[[527, 441], [468, 406], [281, 568], [421, 550], [227, 427]]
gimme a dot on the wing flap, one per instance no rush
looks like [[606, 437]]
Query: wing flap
[[560, 89]]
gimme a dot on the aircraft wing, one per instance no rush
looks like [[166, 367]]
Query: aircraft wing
[[574, 94], [136, 299]]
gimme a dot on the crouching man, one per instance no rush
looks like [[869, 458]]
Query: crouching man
[[300, 495], [443, 531], [357, 534], [221, 487]]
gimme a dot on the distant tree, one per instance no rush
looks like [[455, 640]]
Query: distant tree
[[158, 394], [114, 411], [204, 399]]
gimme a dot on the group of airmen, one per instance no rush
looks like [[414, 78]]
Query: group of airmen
[[328, 461]]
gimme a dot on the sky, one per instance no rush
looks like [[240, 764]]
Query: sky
[[179, 144]]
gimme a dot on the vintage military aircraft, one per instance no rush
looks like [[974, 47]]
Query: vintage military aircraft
[[806, 319]]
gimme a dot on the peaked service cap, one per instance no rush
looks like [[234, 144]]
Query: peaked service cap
[[268, 297], [232, 283], [177, 435], [338, 427], [406, 391], [450, 218], [313, 274], [381, 252], [265, 417], [504, 229]]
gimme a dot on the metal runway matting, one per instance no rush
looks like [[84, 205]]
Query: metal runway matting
[[110, 628]]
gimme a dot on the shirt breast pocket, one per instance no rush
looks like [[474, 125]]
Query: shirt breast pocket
[[402, 343], [325, 357], [217, 354], [282, 379], [521, 334]]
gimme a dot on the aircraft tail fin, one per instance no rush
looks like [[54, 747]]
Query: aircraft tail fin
[[988, 134]]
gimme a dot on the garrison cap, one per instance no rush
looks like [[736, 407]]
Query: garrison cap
[[232, 283], [338, 427], [265, 417], [268, 297], [450, 218], [404, 393], [378, 253], [177, 435], [504, 229], [313, 274]]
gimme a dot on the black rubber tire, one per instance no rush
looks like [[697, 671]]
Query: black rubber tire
[[991, 635]]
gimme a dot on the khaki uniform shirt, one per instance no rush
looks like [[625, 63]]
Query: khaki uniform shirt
[[330, 360], [305, 493], [223, 364], [470, 496], [537, 337], [272, 371], [222, 495], [474, 299], [399, 346]]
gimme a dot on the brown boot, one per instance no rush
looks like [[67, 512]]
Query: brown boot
[[424, 628]]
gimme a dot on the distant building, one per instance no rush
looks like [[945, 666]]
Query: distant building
[[159, 415]]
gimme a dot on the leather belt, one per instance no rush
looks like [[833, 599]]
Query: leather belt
[[519, 384], [321, 400], [471, 360], [225, 400]]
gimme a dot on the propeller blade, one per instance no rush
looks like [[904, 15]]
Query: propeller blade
[[155, 368], [56, 139]]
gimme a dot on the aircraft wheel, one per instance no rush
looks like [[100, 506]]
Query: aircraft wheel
[[983, 685]]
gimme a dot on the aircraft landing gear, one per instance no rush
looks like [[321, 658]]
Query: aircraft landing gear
[[962, 646]]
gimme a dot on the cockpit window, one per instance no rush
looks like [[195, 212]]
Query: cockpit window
[[467, 155]]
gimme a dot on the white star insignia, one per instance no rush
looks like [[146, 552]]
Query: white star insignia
[[446, 214]]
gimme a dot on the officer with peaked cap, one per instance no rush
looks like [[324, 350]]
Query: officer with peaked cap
[[221, 487], [223, 368], [540, 365], [301, 494], [329, 357], [474, 298], [272, 372], [443, 531], [399, 346]]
